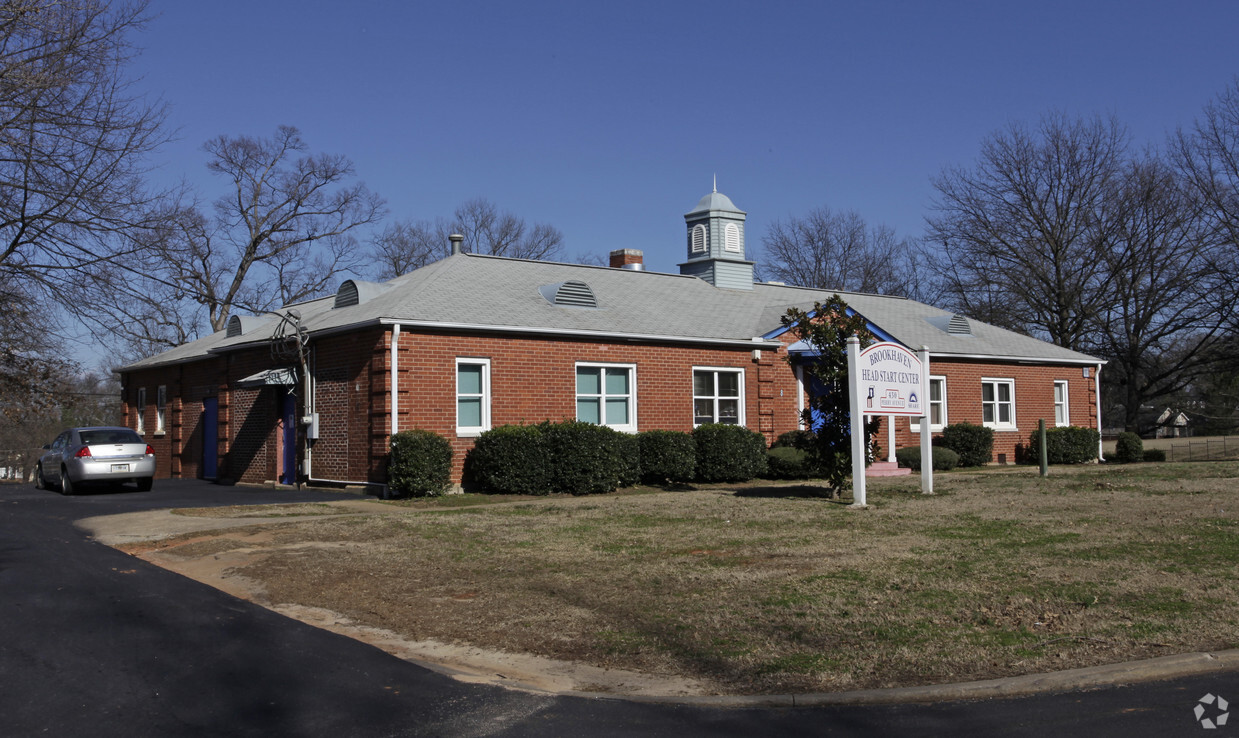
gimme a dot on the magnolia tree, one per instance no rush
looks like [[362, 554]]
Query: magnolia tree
[[827, 329]]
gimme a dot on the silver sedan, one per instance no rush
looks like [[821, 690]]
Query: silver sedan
[[111, 455]]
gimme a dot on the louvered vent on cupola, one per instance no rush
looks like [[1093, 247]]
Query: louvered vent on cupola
[[959, 326], [572, 293], [234, 327]]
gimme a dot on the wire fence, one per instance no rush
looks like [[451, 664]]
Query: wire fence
[[1204, 449]]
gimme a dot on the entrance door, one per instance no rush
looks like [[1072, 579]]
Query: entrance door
[[288, 462], [210, 440]]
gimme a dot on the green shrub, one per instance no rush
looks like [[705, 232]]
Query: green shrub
[[787, 462], [973, 443], [1128, 448], [944, 458], [512, 459], [420, 463], [629, 447], [586, 458], [667, 457], [1066, 445], [728, 453], [1154, 454], [799, 439]]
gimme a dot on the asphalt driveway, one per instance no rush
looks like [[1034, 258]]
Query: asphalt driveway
[[95, 642]]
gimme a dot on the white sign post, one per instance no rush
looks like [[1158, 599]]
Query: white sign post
[[893, 381]]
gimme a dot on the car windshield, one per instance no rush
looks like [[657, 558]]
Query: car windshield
[[109, 435]]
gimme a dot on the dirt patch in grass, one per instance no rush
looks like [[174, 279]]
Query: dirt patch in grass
[[768, 588]]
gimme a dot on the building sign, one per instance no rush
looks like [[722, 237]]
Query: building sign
[[890, 381]]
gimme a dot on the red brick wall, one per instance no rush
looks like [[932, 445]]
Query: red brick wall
[[1034, 400]]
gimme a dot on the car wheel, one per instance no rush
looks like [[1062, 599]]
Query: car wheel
[[39, 481], [144, 484], [66, 484]]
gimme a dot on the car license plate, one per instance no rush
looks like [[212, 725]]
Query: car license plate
[[120, 467]]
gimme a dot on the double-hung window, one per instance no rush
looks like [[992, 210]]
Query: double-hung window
[[472, 396], [1062, 416], [998, 403], [606, 395], [718, 396], [937, 406]]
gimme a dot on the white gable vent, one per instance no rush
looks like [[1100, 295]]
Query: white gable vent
[[572, 293], [355, 291], [959, 326]]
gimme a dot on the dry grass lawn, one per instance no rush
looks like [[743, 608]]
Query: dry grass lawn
[[769, 588]]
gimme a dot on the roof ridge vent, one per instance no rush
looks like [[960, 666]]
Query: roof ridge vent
[[959, 326], [573, 293]]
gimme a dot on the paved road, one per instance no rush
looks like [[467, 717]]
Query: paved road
[[97, 643]]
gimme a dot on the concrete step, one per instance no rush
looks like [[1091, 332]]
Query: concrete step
[[886, 469]]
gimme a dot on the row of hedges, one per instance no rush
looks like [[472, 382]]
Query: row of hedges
[[1066, 445], [573, 457]]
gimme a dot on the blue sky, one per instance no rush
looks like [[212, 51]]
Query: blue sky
[[609, 120]]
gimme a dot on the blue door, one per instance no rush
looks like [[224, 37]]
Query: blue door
[[288, 471], [210, 439]]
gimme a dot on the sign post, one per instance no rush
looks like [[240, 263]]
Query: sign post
[[894, 382]]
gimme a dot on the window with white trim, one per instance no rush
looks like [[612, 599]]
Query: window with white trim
[[141, 410], [731, 237], [699, 238], [718, 396], [937, 406], [1062, 415], [472, 396], [998, 403], [606, 395], [161, 403]]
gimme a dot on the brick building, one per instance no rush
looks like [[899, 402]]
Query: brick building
[[314, 391]]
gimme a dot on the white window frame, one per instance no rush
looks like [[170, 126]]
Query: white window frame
[[740, 415], [698, 239], [631, 425], [161, 405], [141, 411], [997, 424], [1065, 404], [929, 403], [731, 238], [471, 430]]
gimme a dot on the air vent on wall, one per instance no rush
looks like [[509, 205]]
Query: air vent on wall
[[572, 293]]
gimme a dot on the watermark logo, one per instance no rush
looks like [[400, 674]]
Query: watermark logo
[[1219, 711]]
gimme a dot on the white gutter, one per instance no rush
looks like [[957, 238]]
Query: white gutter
[[1018, 359], [1101, 451], [395, 385], [644, 337]]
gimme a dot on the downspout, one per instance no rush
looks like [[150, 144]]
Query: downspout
[[395, 385], [1101, 450]]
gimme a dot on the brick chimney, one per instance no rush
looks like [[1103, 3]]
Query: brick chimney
[[628, 259]]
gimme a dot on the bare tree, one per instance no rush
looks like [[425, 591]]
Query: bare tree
[[838, 251], [406, 245], [1024, 234], [1208, 155], [489, 231], [283, 233], [1160, 323], [73, 136]]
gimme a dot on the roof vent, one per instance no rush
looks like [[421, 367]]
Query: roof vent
[[959, 326], [355, 291], [234, 327], [572, 293]]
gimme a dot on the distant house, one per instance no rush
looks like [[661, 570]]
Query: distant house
[[314, 391]]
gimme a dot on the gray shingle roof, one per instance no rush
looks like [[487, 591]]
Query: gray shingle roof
[[473, 292]]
